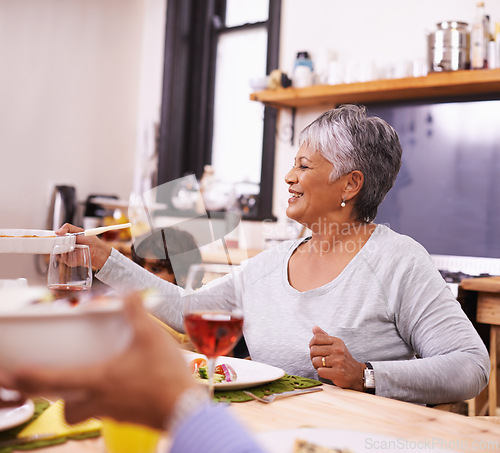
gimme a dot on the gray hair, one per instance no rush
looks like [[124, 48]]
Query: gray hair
[[351, 140]]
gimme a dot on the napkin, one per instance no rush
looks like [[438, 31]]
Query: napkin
[[52, 421]]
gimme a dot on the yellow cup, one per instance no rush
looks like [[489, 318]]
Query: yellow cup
[[122, 437]]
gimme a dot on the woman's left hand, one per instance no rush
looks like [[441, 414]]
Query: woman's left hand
[[332, 360]]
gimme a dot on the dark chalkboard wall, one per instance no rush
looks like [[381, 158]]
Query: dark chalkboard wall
[[447, 194]]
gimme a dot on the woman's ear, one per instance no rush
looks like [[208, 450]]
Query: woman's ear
[[354, 183]]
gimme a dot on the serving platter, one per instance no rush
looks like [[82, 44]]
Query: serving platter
[[57, 334], [33, 241]]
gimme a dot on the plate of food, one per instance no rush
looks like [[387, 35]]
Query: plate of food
[[33, 241], [320, 440], [232, 373], [11, 417]]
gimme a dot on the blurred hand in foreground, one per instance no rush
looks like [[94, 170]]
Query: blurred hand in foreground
[[141, 385]]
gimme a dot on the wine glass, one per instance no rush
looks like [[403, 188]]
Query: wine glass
[[214, 326], [70, 272]]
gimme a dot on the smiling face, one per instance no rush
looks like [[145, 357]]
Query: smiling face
[[314, 198]]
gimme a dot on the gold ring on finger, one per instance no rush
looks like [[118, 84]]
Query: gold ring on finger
[[323, 361]]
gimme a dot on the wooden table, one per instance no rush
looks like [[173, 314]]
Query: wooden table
[[336, 408], [488, 312], [339, 409]]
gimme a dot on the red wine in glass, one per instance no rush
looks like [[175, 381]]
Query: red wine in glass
[[213, 324], [70, 292], [213, 333]]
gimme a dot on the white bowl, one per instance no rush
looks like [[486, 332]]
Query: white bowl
[[259, 83], [51, 334]]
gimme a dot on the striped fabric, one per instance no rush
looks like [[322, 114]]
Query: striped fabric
[[213, 430]]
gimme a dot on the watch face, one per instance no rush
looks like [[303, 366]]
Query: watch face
[[369, 379]]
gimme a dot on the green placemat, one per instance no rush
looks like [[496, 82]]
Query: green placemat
[[40, 406], [284, 384]]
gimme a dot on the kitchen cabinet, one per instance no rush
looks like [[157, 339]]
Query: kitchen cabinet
[[483, 84]]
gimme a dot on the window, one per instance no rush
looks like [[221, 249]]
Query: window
[[212, 49], [238, 123]]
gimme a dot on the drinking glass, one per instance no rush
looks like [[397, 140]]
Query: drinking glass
[[70, 272], [214, 325]]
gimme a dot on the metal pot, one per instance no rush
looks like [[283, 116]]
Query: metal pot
[[448, 47]]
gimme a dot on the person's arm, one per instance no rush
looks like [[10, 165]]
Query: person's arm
[[123, 274], [165, 299], [99, 250], [212, 429], [453, 363]]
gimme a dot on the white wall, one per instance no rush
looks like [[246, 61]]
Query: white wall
[[69, 97], [149, 110]]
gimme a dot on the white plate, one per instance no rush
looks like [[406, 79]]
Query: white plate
[[14, 416], [249, 373], [42, 244], [355, 441]]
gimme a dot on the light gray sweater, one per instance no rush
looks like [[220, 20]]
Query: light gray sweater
[[389, 306]]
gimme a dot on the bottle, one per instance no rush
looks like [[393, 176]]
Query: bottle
[[479, 38], [303, 71], [493, 55]]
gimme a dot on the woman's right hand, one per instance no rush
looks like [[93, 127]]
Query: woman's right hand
[[99, 250]]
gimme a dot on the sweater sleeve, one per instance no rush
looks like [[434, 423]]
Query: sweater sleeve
[[165, 300], [213, 430], [452, 362]]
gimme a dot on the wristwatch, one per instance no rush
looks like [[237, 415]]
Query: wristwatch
[[369, 379]]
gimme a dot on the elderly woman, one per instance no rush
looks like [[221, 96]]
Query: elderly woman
[[355, 303]]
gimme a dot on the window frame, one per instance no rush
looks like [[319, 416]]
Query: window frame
[[186, 127]]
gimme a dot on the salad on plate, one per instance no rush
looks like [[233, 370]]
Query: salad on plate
[[223, 372]]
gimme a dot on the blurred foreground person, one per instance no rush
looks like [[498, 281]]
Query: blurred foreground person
[[161, 391]]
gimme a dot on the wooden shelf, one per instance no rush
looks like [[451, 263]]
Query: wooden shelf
[[440, 86]]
